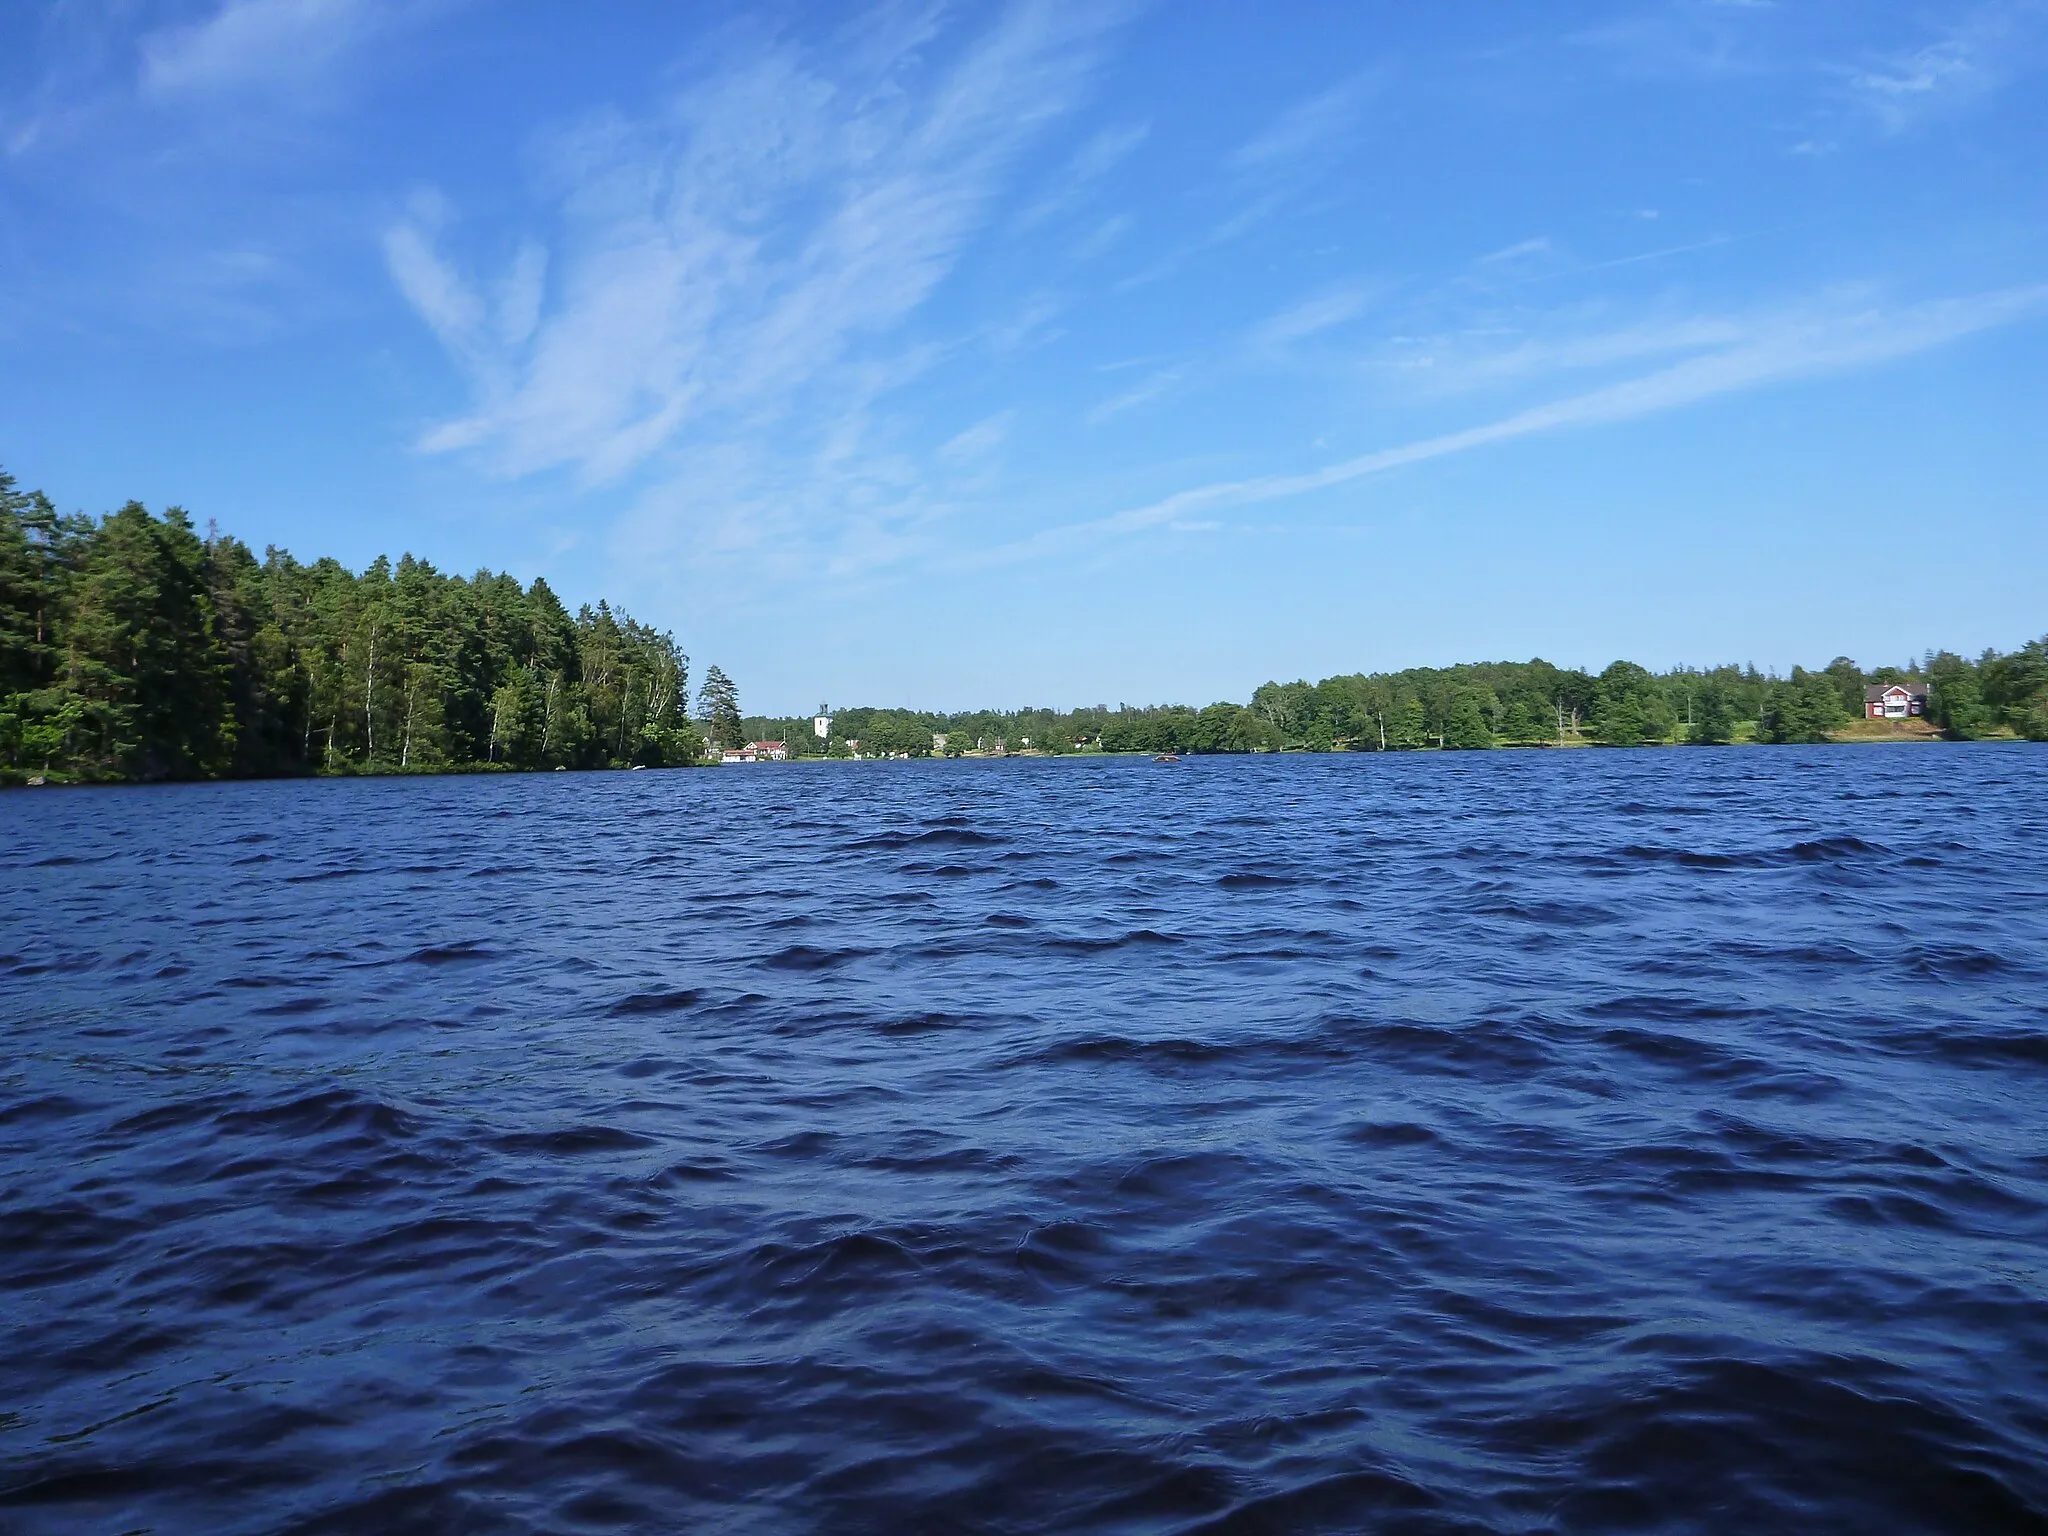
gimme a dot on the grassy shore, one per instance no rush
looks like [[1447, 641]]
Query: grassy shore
[[1920, 729]]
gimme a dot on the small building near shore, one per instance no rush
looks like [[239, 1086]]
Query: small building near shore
[[756, 752], [1894, 701]]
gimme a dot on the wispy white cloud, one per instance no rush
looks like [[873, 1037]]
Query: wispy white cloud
[[432, 286], [1521, 250], [1481, 355], [1687, 39], [1538, 261], [521, 293], [1324, 312], [270, 46], [1975, 55], [1150, 388], [1107, 150], [1822, 339], [748, 250], [98, 63], [122, 95], [1277, 342], [1079, 177], [1101, 238], [1308, 128], [1968, 53], [1030, 323], [1923, 72], [1284, 160], [979, 440]]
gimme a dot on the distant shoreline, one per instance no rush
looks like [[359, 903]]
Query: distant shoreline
[[14, 781], [135, 649]]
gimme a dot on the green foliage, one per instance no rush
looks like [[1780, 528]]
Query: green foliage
[[1465, 727], [896, 733], [1848, 681], [1410, 725], [132, 648], [1218, 728], [718, 706], [2017, 687], [1803, 709], [1956, 696], [1532, 703], [1713, 720], [1489, 703], [1631, 708], [1535, 703], [143, 656]]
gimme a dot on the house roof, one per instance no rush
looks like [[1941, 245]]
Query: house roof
[[1876, 692]]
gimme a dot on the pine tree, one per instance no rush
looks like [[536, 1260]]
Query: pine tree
[[21, 654], [1466, 726], [718, 706], [144, 659], [1712, 724]]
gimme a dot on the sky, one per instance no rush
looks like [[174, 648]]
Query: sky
[[1057, 354]]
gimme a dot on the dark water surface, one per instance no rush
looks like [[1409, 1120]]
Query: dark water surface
[[1650, 1141]]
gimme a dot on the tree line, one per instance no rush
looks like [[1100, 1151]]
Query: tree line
[[1476, 706], [134, 647], [1534, 703], [1127, 728]]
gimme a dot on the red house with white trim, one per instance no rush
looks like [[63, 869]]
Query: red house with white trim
[[1894, 701]]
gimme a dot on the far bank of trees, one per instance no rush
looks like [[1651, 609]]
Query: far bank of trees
[[1127, 728], [1476, 706], [1534, 703], [134, 647]]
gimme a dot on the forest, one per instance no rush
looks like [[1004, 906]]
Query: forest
[[133, 647], [1489, 704]]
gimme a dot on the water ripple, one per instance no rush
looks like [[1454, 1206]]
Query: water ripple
[[1518, 1142]]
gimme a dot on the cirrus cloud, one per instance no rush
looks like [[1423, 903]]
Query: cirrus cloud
[[725, 260]]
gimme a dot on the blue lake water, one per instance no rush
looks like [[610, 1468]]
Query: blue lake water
[[1518, 1142]]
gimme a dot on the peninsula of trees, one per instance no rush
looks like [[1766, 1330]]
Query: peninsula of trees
[[131, 647], [134, 648]]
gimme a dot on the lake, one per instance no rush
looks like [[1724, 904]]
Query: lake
[[1515, 1141]]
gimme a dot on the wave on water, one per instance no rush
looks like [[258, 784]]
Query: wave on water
[[1532, 1142]]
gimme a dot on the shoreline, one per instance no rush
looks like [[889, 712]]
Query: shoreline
[[14, 780]]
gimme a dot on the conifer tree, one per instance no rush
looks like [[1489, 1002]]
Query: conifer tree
[[1466, 727], [1712, 724], [718, 706]]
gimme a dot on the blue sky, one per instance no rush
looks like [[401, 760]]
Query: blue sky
[[1061, 354]]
